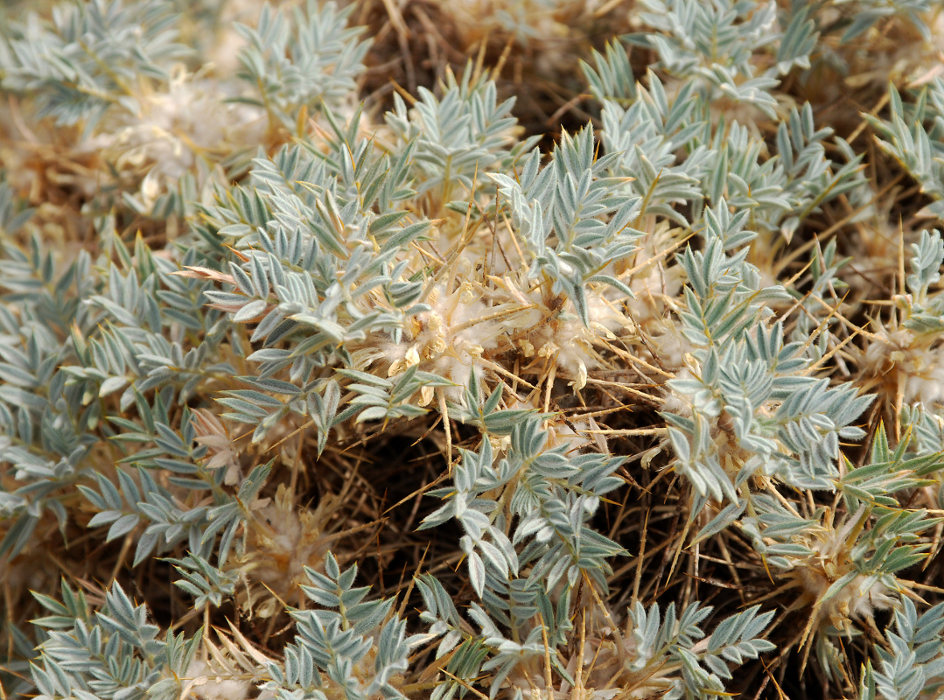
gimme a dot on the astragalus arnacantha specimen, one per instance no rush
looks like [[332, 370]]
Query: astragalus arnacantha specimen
[[374, 350]]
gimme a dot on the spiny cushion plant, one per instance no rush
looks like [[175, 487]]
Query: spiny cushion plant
[[317, 384]]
